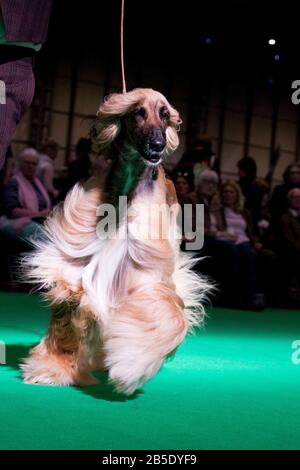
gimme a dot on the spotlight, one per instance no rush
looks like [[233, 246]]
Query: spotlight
[[208, 40], [277, 57], [272, 42]]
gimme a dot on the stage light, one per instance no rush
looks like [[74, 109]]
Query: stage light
[[272, 42], [277, 57], [208, 40]]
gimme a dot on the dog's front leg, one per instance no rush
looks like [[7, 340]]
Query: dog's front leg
[[148, 326], [65, 355]]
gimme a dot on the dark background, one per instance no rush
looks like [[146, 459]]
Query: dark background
[[163, 31]]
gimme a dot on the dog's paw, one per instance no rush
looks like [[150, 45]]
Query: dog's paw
[[54, 372], [122, 383], [127, 377], [42, 374]]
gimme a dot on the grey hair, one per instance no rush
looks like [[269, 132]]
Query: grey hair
[[26, 152], [205, 174], [23, 154]]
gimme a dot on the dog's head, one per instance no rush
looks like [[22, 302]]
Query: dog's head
[[143, 118]]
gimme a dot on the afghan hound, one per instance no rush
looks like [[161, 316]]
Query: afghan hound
[[119, 303]]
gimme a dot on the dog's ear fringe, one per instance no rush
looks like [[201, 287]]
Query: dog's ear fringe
[[103, 134], [172, 140], [172, 131], [107, 124]]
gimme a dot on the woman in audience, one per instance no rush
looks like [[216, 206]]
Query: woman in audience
[[216, 254], [206, 185], [26, 202], [233, 224]]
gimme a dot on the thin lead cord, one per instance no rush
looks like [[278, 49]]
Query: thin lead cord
[[122, 48]]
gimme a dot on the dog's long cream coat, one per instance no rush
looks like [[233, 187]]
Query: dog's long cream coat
[[122, 304]]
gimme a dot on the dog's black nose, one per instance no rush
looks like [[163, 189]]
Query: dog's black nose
[[157, 145], [157, 141]]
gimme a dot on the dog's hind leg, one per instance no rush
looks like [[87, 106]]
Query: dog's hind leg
[[63, 357], [148, 327]]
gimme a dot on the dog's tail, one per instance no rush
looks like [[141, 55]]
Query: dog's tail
[[193, 288]]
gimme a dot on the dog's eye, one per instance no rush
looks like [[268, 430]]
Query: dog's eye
[[164, 113], [140, 112]]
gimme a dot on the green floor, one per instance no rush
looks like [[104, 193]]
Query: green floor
[[233, 386]]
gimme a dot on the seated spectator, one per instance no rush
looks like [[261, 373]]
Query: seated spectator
[[279, 200], [45, 169], [200, 152], [262, 228], [26, 202], [233, 224], [251, 188], [206, 185], [183, 181], [269, 272], [216, 254], [232, 221], [290, 236]]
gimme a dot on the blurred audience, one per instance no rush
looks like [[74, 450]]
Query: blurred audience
[[183, 180], [217, 261], [25, 200], [251, 242], [251, 188], [233, 223], [80, 168], [206, 185], [279, 200], [45, 169], [290, 239]]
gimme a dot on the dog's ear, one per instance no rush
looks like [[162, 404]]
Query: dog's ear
[[103, 132], [107, 125], [172, 130]]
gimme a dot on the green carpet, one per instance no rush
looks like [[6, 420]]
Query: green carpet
[[232, 386]]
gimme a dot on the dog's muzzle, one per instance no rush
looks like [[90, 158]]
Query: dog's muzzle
[[156, 145]]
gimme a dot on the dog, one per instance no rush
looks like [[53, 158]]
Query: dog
[[121, 304]]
